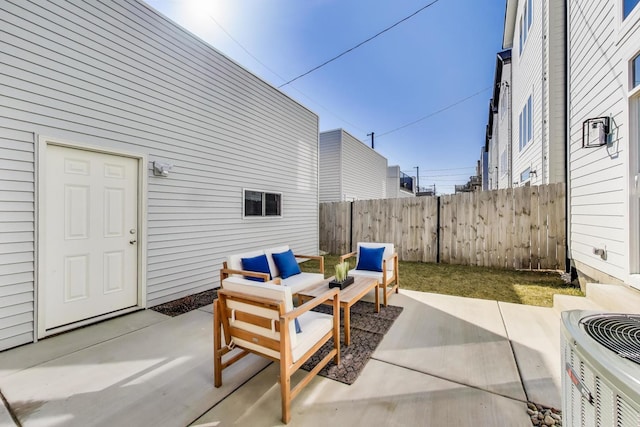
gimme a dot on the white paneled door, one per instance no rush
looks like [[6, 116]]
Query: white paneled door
[[91, 235]]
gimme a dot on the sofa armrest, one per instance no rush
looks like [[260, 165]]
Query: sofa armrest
[[333, 293], [347, 256], [319, 258], [226, 272]]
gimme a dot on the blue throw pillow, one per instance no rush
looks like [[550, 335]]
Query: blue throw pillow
[[298, 329], [370, 259], [287, 264], [259, 264]]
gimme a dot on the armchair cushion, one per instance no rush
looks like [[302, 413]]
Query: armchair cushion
[[286, 264], [258, 264], [370, 259]]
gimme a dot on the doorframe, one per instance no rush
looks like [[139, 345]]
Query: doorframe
[[40, 233]]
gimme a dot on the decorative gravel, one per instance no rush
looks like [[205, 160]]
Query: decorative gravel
[[543, 416], [186, 304]]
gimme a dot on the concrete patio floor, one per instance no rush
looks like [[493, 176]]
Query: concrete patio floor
[[446, 361]]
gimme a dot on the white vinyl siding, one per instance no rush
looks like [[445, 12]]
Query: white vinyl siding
[[364, 171], [17, 236], [330, 171], [538, 70], [599, 190], [349, 169], [503, 130], [118, 75]]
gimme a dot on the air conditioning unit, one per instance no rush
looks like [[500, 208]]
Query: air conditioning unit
[[601, 369]]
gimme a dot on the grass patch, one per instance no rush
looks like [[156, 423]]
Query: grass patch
[[520, 287]]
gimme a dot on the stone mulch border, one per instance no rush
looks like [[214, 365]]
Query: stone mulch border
[[186, 304]]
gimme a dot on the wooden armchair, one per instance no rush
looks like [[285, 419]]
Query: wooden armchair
[[259, 318], [388, 277]]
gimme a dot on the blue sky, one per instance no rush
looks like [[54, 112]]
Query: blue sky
[[438, 57]]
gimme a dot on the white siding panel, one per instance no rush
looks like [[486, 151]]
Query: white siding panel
[[330, 166], [120, 76], [598, 61], [364, 171]]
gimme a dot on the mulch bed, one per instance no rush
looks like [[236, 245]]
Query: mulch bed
[[367, 330], [186, 304]]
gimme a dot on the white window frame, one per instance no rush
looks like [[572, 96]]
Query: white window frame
[[264, 203], [526, 19], [525, 124], [527, 171]]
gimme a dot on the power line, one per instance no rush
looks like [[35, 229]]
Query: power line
[[436, 112], [361, 43], [278, 75], [442, 170]]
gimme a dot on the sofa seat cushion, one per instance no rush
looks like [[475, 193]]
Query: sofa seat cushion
[[303, 280], [314, 326], [371, 274]]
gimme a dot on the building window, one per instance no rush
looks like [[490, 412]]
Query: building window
[[525, 22], [261, 203], [628, 6], [525, 175], [635, 64], [525, 123]]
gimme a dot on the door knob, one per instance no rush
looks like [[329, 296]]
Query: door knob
[[132, 242]]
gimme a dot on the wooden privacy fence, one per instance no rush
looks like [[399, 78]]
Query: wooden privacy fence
[[522, 227]]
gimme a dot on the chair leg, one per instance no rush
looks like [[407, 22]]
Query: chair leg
[[217, 345], [285, 393]]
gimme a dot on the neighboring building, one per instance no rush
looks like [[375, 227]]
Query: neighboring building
[[484, 170], [399, 184], [604, 82], [93, 95], [474, 184], [535, 32], [349, 169]]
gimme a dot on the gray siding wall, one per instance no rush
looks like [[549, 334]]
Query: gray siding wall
[[16, 237], [330, 172], [364, 171], [117, 74], [600, 50]]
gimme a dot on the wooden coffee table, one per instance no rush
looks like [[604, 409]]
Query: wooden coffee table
[[348, 296]]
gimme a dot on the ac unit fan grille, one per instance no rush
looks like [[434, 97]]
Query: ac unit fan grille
[[619, 333]]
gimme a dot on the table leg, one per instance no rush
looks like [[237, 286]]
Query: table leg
[[377, 300], [347, 326]]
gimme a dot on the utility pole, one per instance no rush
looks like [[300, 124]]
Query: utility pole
[[418, 179], [371, 135]]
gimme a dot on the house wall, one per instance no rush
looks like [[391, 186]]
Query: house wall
[[601, 47], [393, 189], [538, 71], [527, 69], [118, 75], [364, 170], [330, 166], [502, 130]]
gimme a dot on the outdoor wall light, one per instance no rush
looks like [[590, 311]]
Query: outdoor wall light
[[595, 132], [161, 168]]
